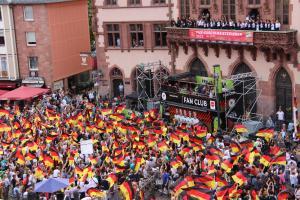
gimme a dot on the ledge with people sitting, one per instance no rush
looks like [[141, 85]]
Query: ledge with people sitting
[[247, 24]]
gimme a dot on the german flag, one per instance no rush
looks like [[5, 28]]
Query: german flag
[[39, 174], [176, 163], [138, 162], [248, 144], [126, 190], [189, 181], [213, 159], [151, 142], [4, 112], [106, 111], [54, 155], [240, 128], [5, 145], [211, 170], [16, 125], [284, 195], [221, 194], [48, 161], [30, 156], [116, 117], [174, 138], [254, 195], [249, 157], [267, 134], [227, 166], [279, 160], [178, 189], [4, 128], [119, 168], [120, 108], [162, 146], [20, 158], [275, 150], [112, 179], [93, 160], [233, 192], [199, 194], [88, 171], [207, 180], [221, 182], [95, 193], [183, 135], [185, 151], [201, 133], [78, 171], [32, 146], [265, 160], [215, 150], [50, 138], [235, 147], [239, 178], [71, 161]]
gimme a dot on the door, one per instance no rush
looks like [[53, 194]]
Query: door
[[284, 93], [116, 87]]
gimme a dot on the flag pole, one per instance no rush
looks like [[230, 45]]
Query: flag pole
[[295, 111]]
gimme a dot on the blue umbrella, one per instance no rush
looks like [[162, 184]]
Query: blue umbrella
[[51, 185]]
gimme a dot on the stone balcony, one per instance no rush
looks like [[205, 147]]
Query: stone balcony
[[280, 42]]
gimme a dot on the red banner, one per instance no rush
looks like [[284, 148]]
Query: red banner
[[222, 35]]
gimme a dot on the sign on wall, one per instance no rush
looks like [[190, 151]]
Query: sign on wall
[[195, 102], [222, 35]]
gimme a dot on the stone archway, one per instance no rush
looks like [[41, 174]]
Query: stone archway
[[196, 67], [283, 93], [116, 77]]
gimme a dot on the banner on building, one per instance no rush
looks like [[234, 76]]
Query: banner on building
[[231, 36]]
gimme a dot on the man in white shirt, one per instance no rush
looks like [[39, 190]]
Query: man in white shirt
[[280, 118], [56, 173]]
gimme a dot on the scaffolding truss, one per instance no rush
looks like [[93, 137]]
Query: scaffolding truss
[[154, 75], [247, 81]]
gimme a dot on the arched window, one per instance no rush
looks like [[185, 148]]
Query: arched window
[[282, 11], [247, 100], [116, 73], [229, 9], [283, 86], [184, 8], [198, 68]]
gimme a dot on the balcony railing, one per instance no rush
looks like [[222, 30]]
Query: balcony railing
[[284, 40]]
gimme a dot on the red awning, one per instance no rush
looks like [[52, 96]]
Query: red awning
[[23, 93], [3, 92]]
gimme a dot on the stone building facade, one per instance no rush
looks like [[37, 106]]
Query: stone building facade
[[273, 56]]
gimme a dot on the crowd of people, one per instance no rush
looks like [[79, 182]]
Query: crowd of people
[[137, 155], [250, 23]]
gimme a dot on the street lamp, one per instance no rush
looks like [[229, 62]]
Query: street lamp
[[217, 74]]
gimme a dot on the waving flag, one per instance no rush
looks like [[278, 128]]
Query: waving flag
[[95, 193], [279, 160], [265, 160], [199, 194], [239, 178], [254, 195], [112, 179], [127, 190], [267, 134], [221, 194], [240, 128]]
